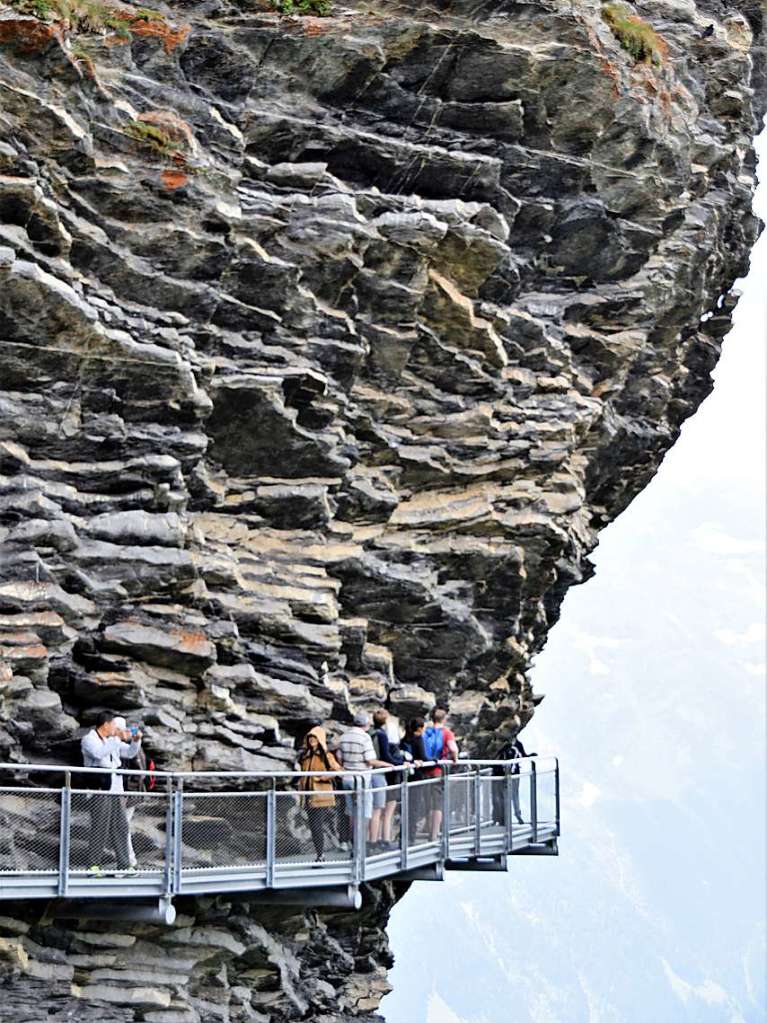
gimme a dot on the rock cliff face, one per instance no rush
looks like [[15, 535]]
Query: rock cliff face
[[327, 346]]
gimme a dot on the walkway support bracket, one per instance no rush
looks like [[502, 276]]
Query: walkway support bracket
[[490, 863], [431, 872], [550, 848], [348, 897], [161, 912]]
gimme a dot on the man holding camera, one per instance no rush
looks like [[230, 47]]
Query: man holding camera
[[106, 745]]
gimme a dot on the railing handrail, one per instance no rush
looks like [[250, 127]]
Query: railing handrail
[[344, 772]]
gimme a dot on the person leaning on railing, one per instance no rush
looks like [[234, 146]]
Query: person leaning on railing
[[513, 751], [412, 743], [387, 747], [358, 757], [105, 746], [315, 756]]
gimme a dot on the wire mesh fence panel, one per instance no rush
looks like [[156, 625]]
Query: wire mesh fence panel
[[313, 826], [219, 829], [386, 820], [547, 800], [99, 831], [521, 795], [148, 838], [425, 811], [122, 830], [29, 830], [493, 803], [485, 808], [461, 802]]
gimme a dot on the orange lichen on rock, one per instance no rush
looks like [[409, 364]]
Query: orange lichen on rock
[[314, 27], [158, 29], [29, 35], [173, 179]]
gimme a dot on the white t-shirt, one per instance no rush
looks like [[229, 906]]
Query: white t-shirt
[[109, 752]]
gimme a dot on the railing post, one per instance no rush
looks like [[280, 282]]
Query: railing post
[[445, 811], [534, 801], [360, 818], [478, 811], [508, 804], [350, 796], [556, 796], [169, 837], [64, 833], [404, 820], [271, 833], [178, 825]]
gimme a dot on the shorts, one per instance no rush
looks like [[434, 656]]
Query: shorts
[[432, 795], [379, 793], [367, 796]]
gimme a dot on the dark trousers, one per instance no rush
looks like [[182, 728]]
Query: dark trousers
[[499, 799], [343, 821], [109, 827], [417, 810], [317, 816]]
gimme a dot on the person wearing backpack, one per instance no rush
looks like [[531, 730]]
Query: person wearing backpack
[[438, 744], [514, 751]]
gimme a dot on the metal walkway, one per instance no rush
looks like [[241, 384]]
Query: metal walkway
[[195, 833]]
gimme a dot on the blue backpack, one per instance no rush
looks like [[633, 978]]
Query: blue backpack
[[433, 742]]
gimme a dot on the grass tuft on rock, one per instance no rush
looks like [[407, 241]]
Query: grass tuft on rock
[[637, 38], [319, 8], [153, 137]]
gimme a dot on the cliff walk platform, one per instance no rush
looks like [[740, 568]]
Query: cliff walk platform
[[208, 832]]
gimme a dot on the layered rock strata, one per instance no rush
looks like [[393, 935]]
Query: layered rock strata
[[327, 346]]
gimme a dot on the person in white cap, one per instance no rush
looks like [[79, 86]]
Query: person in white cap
[[138, 763]]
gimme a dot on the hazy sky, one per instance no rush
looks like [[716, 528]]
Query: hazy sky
[[655, 701]]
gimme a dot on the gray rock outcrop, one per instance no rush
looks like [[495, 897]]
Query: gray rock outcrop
[[327, 347]]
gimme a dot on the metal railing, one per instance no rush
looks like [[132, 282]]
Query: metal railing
[[201, 832]]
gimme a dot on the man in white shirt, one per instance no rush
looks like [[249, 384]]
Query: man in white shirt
[[105, 746]]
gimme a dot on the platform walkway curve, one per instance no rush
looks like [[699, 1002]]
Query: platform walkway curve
[[206, 832]]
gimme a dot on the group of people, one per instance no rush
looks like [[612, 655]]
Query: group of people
[[359, 751], [352, 764]]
